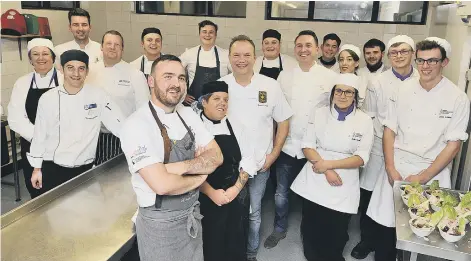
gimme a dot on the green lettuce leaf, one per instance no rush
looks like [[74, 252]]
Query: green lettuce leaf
[[436, 217], [461, 225], [434, 185]]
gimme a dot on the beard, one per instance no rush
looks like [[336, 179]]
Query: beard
[[169, 101]]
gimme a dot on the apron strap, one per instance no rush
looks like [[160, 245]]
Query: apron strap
[[192, 223], [218, 63], [192, 137], [53, 78], [281, 64], [163, 132]]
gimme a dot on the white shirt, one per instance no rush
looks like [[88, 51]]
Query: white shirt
[[256, 106], [67, 126], [17, 116], [93, 49], [247, 163], [126, 85], [424, 121], [335, 67], [147, 64], [207, 59], [379, 90], [304, 91], [335, 140], [287, 61], [144, 146]]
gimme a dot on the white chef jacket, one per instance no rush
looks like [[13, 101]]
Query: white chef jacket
[[335, 67], [335, 140], [256, 106], [144, 146], [147, 64], [364, 71], [304, 91], [17, 116], [93, 49], [67, 126], [247, 163], [424, 121], [126, 85], [287, 61], [379, 88], [207, 59]]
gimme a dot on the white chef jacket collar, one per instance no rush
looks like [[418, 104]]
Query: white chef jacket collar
[[88, 44], [440, 84], [161, 111], [208, 121], [335, 114], [210, 50], [313, 67], [62, 89], [48, 74]]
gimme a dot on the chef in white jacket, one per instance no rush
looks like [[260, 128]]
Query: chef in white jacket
[[25, 97], [80, 27], [425, 125], [125, 84], [272, 62], [205, 62], [151, 42], [256, 101], [349, 62], [337, 143], [330, 48], [305, 87], [400, 51], [373, 50], [67, 125]]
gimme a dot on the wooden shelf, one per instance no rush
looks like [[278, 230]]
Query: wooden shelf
[[20, 36]]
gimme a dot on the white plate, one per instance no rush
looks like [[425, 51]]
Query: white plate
[[421, 232], [450, 238]]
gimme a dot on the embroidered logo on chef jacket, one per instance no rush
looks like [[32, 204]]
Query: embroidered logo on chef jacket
[[92, 110], [90, 106], [262, 97], [357, 136], [445, 114], [138, 154], [124, 82]]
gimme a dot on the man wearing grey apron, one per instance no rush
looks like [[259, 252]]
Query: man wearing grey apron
[[205, 62], [169, 157]]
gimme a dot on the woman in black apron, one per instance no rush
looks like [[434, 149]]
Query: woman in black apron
[[45, 77], [203, 75], [224, 197]]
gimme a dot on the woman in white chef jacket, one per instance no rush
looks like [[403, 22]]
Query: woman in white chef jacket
[[25, 97], [337, 142], [349, 62]]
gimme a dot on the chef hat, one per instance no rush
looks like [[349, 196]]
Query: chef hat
[[74, 55], [401, 39], [348, 79], [150, 30], [40, 42], [352, 48], [271, 33], [443, 43], [215, 86]]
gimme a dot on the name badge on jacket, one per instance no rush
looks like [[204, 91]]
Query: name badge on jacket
[[445, 114], [357, 136], [124, 83]]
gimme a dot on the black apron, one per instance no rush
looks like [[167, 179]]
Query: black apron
[[171, 229], [226, 228], [272, 72], [31, 106], [143, 67], [204, 75]]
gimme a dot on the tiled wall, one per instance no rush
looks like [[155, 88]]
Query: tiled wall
[[180, 32]]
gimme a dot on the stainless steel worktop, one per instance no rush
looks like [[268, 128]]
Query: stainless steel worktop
[[87, 218], [434, 245]]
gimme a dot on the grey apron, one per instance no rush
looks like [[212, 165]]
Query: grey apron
[[171, 229]]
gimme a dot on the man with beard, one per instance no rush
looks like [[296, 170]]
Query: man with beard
[[373, 51], [151, 42], [330, 47], [80, 27], [124, 83], [256, 101], [206, 62], [170, 154]]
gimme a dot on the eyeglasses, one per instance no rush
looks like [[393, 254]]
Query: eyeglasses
[[431, 61], [402, 52], [347, 93]]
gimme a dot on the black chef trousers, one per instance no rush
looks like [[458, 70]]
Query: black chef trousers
[[366, 223], [385, 242], [324, 232], [225, 228], [54, 175]]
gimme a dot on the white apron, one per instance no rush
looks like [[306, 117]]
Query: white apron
[[381, 207], [375, 166]]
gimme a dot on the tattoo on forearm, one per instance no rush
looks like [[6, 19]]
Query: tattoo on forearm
[[204, 164], [242, 179]]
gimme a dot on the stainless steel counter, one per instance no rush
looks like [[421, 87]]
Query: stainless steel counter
[[87, 218], [435, 245]]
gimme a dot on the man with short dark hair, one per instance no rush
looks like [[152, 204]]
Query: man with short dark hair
[[373, 50], [256, 101], [330, 47], [151, 42], [80, 27], [170, 154], [205, 62], [124, 83]]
